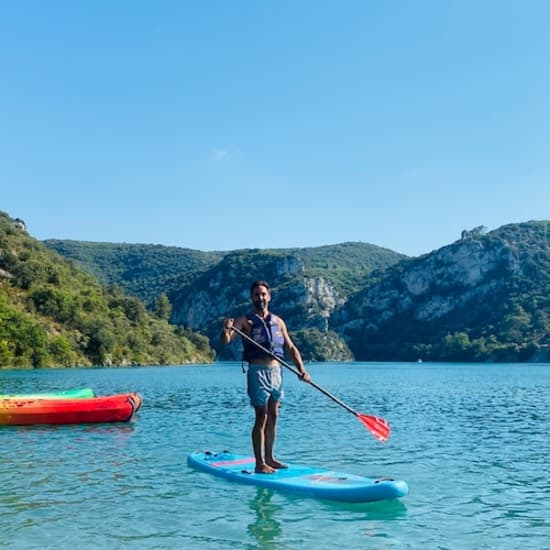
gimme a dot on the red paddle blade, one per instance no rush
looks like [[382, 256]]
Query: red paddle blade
[[379, 427]]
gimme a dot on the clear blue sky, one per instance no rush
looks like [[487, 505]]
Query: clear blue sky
[[218, 125]]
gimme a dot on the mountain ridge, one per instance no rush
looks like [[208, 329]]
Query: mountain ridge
[[483, 297], [327, 296]]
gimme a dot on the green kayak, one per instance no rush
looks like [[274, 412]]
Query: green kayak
[[67, 394]]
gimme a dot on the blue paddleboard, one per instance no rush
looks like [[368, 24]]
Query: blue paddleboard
[[304, 480]]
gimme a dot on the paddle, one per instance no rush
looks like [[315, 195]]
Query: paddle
[[379, 427]]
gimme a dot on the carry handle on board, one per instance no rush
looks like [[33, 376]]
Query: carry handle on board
[[379, 427]]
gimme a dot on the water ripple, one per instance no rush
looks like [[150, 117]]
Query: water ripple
[[470, 440]]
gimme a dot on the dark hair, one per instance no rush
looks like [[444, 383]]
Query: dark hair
[[258, 283]]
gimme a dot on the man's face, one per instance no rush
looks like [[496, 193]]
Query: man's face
[[261, 297]]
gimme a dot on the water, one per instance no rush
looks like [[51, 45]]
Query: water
[[471, 441]]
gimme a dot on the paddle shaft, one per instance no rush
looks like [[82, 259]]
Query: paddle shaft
[[295, 371]]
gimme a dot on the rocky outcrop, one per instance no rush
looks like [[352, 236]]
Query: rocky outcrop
[[460, 287], [220, 291], [304, 301], [433, 285], [321, 296]]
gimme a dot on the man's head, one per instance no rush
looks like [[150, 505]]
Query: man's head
[[260, 294]]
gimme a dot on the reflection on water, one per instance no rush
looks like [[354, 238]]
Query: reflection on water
[[265, 528], [373, 511]]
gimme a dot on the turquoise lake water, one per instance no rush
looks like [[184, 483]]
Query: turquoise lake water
[[471, 441]]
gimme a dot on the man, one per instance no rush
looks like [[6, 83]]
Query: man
[[264, 377]]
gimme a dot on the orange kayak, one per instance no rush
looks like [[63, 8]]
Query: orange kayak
[[112, 408]]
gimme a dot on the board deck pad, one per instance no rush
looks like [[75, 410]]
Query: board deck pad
[[310, 481]]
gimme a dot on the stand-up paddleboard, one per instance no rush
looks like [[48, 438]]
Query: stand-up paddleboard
[[304, 480]]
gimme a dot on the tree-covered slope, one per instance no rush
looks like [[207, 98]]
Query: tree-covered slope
[[54, 314], [142, 270]]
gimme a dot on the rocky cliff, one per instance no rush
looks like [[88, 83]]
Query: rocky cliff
[[458, 299], [305, 301]]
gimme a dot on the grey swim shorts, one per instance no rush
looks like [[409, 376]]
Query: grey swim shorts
[[264, 382]]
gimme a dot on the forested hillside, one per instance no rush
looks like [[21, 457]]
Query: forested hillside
[[54, 314], [143, 270]]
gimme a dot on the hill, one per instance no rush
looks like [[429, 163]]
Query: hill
[[142, 270], [307, 285], [148, 270], [203, 287], [54, 314], [485, 297]]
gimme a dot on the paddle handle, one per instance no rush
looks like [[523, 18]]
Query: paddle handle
[[295, 371]]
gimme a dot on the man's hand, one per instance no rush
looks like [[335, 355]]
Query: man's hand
[[304, 376], [226, 334]]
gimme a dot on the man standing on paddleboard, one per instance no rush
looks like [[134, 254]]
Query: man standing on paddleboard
[[265, 338]]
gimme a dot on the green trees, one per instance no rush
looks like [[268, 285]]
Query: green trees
[[163, 308], [140, 269], [53, 314], [23, 341]]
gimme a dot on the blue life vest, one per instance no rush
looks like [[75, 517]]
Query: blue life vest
[[268, 334]]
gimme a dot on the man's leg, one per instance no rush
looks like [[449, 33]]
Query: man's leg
[[259, 437], [271, 433]]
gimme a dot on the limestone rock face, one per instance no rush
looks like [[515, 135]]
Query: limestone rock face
[[304, 302], [434, 285], [472, 289]]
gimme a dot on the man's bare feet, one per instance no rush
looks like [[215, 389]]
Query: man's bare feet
[[263, 468], [276, 464]]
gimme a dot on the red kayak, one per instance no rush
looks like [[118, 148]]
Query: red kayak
[[112, 408]]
